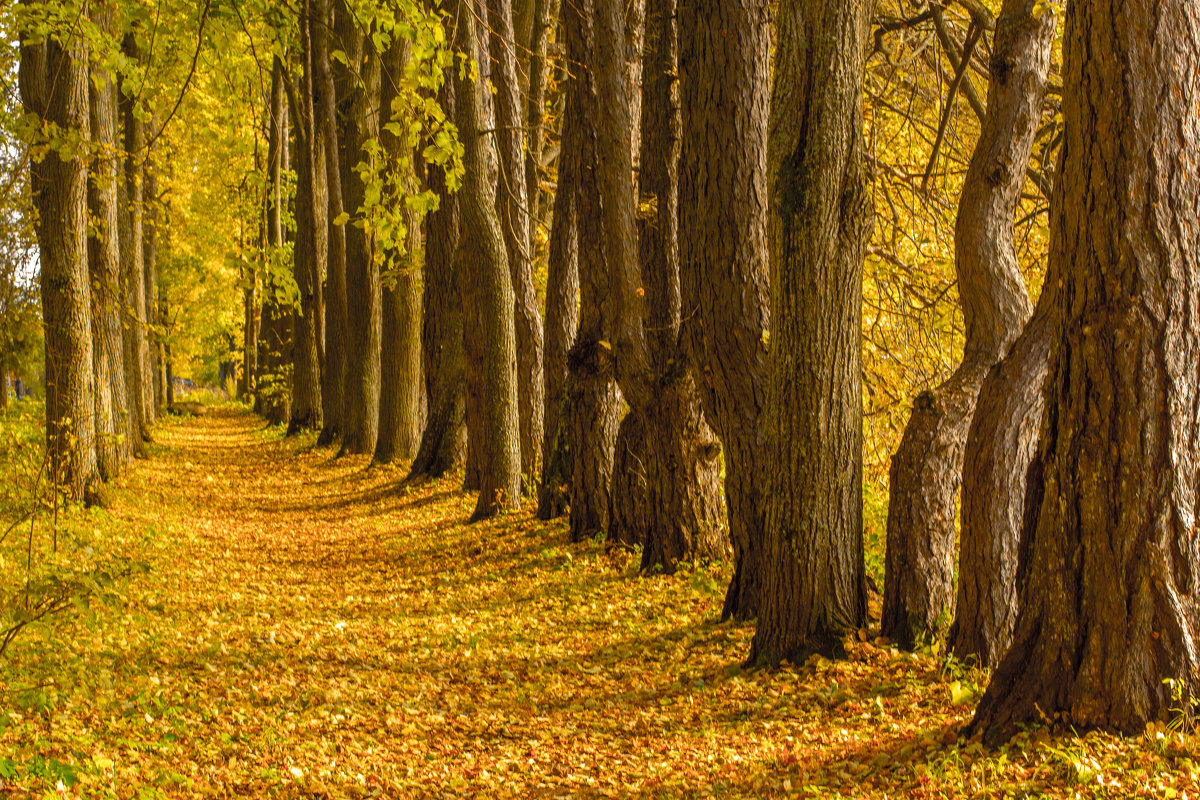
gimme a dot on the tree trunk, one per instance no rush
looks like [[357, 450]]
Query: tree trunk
[[272, 387], [513, 208], [364, 290], [545, 13], [724, 69], [150, 254], [104, 259], [54, 86], [1106, 630], [443, 442], [311, 247], [136, 349], [918, 595], [329, 96], [401, 385], [490, 300], [562, 323], [593, 400], [821, 219], [678, 472]]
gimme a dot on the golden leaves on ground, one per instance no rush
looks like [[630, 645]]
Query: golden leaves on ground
[[308, 629]]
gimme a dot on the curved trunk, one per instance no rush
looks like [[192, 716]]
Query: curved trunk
[[488, 301], [1106, 633], [724, 67], [54, 85], [814, 591], [926, 472]]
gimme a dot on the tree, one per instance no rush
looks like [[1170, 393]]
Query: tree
[[926, 472], [488, 298], [814, 590], [1106, 631], [54, 86], [724, 53]]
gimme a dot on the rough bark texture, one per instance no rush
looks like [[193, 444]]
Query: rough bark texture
[[364, 288], [310, 247], [724, 69], [54, 85], [488, 298], [821, 219], [104, 259], [562, 322], [513, 207], [325, 106], [443, 442], [545, 13], [926, 472], [272, 387], [401, 388], [666, 479], [1109, 581], [593, 400]]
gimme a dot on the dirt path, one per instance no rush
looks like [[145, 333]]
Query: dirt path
[[307, 629]]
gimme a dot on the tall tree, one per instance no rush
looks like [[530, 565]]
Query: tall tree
[[364, 298], [156, 386], [724, 65], [54, 86], [104, 260], [513, 202], [311, 247], [667, 496], [401, 386], [443, 443], [1109, 583], [821, 219], [488, 297], [926, 472]]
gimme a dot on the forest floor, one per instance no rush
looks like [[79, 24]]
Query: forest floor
[[304, 628]]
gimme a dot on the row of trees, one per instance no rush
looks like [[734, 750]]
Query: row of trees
[[708, 228]]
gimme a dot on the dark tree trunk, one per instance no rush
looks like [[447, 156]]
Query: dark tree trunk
[[364, 289], [821, 219], [562, 322], [104, 259], [443, 443], [54, 86], [157, 397], [311, 247], [671, 488], [513, 208], [1107, 627], [926, 472], [272, 388], [329, 95], [136, 348], [724, 69], [545, 13], [401, 384], [488, 297], [593, 400]]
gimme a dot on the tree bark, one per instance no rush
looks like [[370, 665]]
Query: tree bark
[[104, 259], [926, 472], [401, 384], [311, 247], [513, 208], [1106, 628], [157, 398], [54, 86], [562, 323], [136, 348], [724, 69], [821, 219], [545, 14], [272, 387], [331, 94], [443, 441], [488, 296]]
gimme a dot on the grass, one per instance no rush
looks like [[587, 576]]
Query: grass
[[303, 628]]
